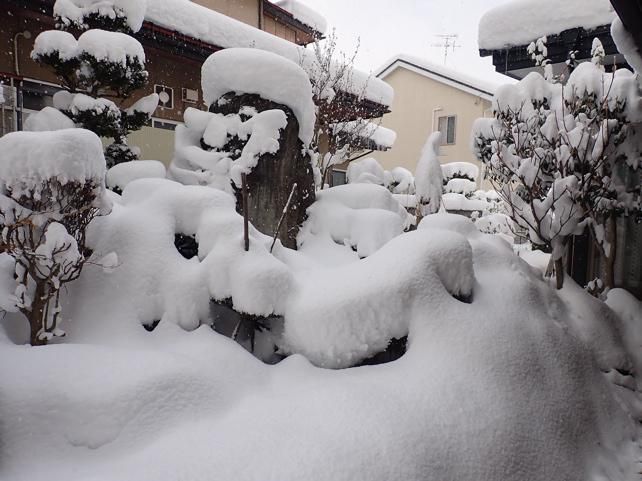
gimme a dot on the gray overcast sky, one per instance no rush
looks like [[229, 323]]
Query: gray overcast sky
[[388, 27]]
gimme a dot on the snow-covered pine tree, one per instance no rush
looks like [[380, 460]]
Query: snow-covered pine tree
[[101, 70]]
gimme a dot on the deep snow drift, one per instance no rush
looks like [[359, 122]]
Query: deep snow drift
[[503, 378]]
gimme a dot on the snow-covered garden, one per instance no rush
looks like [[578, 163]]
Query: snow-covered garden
[[232, 317]]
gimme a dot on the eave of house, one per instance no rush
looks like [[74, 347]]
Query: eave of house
[[516, 61], [286, 17], [465, 85]]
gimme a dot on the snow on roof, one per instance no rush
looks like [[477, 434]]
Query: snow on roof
[[220, 30], [522, 21], [474, 85], [304, 14], [252, 71]]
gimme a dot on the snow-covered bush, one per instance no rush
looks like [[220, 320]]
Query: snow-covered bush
[[558, 155], [52, 189], [104, 61], [366, 171], [428, 178], [122, 174]]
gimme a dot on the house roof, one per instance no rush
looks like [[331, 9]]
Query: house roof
[[473, 85], [214, 28], [520, 22]]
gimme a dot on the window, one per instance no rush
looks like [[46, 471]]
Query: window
[[338, 178], [447, 129]]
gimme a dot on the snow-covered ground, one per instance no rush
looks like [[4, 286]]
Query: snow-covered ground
[[504, 378]]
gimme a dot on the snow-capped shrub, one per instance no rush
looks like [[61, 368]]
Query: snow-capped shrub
[[52, 189], [557, 153]]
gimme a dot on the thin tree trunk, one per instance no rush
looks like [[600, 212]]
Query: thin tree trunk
[[559, 272], [246, 222], [36, 317]]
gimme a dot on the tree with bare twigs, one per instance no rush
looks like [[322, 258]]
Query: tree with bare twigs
[[341, 132], [559, 156], [45, 211]]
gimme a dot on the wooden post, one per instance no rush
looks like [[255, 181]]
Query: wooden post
[[246, 222]]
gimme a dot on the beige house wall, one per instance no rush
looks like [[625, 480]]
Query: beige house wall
[[246, 11], [155, 144], [419, 102]]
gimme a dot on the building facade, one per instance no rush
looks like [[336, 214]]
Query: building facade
[[430, 98]]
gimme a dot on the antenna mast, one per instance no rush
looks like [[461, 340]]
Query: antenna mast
[[448, 42]]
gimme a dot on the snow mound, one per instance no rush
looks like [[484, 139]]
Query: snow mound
[[488, 390], [75, 11], [122, 174], [520, 22], [305, 15], [31, 158], [365, 171], [362, 216], [460, 186], [428, 176], [48, 119], [273, 78]]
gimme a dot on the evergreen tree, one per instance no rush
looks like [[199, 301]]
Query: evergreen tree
[[100, 70]]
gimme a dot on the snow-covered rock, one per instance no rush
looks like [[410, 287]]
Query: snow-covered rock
[[272, 77]]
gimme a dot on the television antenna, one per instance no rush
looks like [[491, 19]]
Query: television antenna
[[447, 42]]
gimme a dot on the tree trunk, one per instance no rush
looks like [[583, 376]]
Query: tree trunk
[[270, 182], [559, 273], [36, 318]]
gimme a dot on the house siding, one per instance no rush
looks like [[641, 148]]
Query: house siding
[[416, 98]]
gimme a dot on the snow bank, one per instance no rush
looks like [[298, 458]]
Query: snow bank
[[48, 119], [364, 315], [31, 158], [220, 30], [305, 15], [272, 77], [122, 174], [507, 385], [75, 11], [520, 22], [362, 216]]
